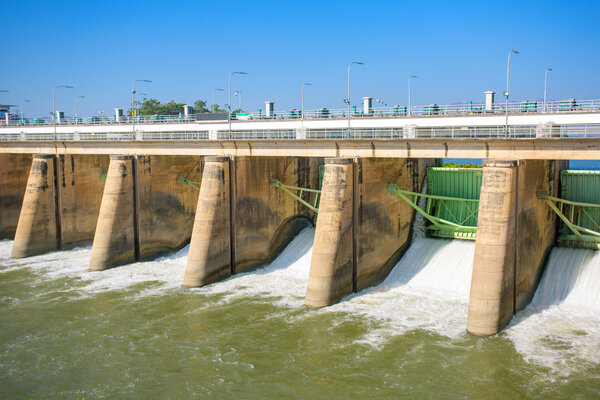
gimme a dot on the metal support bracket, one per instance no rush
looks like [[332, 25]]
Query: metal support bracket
[[572, 213], [440, 227]]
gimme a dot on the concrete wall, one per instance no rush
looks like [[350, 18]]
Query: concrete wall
[[262, 219], [266, 218], [362, 230], [81, 183], [384, 220], [166, 207], [14, 171], [515, 233], [144, 210]]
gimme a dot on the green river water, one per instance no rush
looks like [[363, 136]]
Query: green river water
[[133, 332]]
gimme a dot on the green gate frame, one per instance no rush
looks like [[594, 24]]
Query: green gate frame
[[290, 190], [298, 196], [441, 227], [186, 181], [569, 212]]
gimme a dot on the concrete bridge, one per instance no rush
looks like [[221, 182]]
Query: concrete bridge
[[135, 199]]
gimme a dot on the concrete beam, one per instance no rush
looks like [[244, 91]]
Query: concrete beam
[[499, 149]]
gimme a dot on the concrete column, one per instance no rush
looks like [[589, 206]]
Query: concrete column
[[492, 285], [331, 268], [209, 258], [515, 233], [38, 226], [115, 238]]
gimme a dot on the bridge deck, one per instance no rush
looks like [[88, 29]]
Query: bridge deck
[[490, 148]]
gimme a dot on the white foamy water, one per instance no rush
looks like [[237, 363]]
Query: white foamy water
[[167, 272], [427, 289], [284, 279], [561, 327]]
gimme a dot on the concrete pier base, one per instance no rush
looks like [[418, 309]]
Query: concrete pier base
[[331, 267], [209, 258], [362, 230], [242, 222], [38, 228], [115, 240], [515, 233]]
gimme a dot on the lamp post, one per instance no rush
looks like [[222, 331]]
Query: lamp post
[[303, 85], [409, 78], [54, 104], [238, 93], [77, 108], [348, 99], [229, 98], [23, 112], [213, 102], [506, 93], [546, 86], [133, 103]]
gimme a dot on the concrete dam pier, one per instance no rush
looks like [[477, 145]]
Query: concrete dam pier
[[238, 212]]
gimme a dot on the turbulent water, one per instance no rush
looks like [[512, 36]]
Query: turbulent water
[[134, 332]]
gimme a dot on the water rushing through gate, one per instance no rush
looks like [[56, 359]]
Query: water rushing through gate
[[134, 332]]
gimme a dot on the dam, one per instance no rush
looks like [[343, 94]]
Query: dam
[[338, 246], [239, 202]]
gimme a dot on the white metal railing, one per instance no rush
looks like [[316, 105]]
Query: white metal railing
[[407, 132], [562, 106]]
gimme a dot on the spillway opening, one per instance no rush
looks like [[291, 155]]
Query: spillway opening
[[560, 328]]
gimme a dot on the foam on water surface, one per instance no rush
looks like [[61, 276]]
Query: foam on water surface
[[427, 289], [561, 327]]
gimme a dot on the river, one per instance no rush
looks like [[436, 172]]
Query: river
[[133, 332]]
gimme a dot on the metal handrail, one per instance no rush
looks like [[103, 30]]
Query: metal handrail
[[527, 107], [407, 132]]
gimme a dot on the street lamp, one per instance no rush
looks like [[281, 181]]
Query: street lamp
[[303, 85], [23, 112], [409, 78], [506, 93], [77, 108], [54, 104], [229, 98], [348, 99], [239, 94], [213, 102], [133, 103], [546, 85]]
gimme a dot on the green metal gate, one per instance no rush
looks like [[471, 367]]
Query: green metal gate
[[452, 201], [578, 208]]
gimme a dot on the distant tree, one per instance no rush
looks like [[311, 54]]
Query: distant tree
[[217, 108], [200, 107], [155, 107]]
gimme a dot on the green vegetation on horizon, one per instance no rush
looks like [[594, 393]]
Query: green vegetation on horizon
[[465, 165], [155, 107]]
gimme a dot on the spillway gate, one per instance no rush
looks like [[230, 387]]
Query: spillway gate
[[578, 208], [452, 201]]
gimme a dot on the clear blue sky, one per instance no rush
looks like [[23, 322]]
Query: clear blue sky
[[187, 48]]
